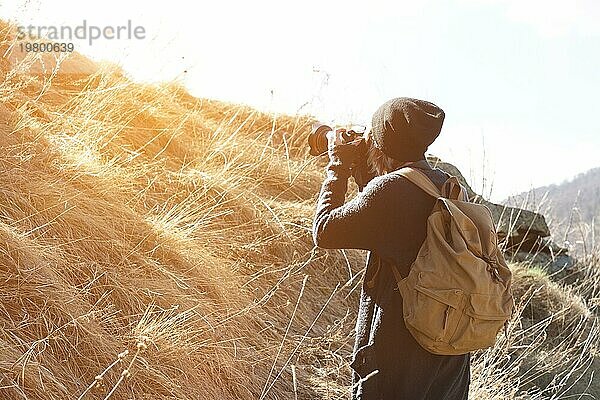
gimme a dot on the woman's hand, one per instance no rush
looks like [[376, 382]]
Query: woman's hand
[[352, 155], [347, 153]]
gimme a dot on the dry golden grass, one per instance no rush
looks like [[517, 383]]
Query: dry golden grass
[[138, 218], [552, 344], [157, 246]]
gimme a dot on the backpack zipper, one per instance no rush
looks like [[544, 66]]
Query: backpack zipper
[[446, 315]]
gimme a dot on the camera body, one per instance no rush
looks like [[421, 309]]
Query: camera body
[[317, 139]]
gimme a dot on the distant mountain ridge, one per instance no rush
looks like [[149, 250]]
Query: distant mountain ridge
[[571, 208]]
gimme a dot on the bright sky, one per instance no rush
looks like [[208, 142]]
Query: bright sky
[[518, 80]]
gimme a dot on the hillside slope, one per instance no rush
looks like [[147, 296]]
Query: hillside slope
[[572, 209], [137, 217], [157, 246]]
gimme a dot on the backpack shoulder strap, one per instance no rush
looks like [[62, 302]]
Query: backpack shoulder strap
[[421, 180]]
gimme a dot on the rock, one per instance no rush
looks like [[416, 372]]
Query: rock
[[524, 234], [564, 261], [518, 229], [561, 263]]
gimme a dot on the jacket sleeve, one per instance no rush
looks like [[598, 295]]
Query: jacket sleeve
[[353, 225]]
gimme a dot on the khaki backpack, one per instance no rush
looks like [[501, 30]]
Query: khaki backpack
[[457, 295]]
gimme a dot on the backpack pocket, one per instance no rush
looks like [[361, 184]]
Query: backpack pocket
[[484, 316], [434, 313]]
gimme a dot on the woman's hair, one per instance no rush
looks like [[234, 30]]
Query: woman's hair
[[378, 162]]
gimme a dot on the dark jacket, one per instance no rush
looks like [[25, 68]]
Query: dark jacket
[[389, 219]]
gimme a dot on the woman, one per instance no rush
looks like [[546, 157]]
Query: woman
[[388, 218]]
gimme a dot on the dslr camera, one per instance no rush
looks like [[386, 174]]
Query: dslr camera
[[318, 143]]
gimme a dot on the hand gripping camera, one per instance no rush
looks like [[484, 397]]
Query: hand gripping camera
[[317, 140]]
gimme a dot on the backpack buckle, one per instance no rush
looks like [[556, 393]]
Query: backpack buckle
[[492, 267]]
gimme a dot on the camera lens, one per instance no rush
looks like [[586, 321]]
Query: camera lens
[[317, 140]]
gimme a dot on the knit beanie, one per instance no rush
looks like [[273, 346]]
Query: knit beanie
[[403, 128]]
